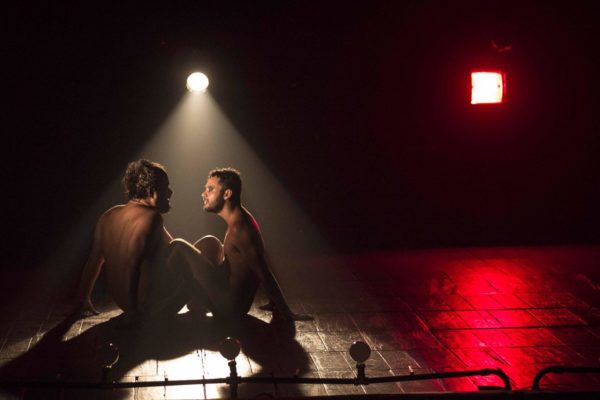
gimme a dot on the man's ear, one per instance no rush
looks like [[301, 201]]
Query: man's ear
[[227, 194]]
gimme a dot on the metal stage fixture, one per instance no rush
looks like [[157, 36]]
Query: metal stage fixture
[[359, 351]]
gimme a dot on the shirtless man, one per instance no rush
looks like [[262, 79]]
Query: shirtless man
[[132, 244], [149, 273], [243, 265]]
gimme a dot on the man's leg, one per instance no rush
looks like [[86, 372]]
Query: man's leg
[[211, 248], [210, 290], [162, 290]]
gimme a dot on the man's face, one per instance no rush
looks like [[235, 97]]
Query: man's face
[[162, 196], [212, 197]]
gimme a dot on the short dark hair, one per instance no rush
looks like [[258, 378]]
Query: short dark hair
[[229, 178], [141, 179]]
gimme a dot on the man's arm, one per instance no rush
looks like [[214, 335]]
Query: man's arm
[[91, 270], [257, 261]]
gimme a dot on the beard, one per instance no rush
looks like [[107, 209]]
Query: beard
[[163, 206], [216, 206]]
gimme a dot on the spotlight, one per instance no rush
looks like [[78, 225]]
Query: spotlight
[[197, 82]]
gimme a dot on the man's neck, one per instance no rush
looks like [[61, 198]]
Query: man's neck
[[141, 202], [230, 213]]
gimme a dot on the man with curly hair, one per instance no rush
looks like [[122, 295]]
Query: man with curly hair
[[132, 245], [150, 274]]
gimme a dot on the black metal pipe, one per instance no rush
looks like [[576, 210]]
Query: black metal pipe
[[558, 369], [234, 380], [360, 374]]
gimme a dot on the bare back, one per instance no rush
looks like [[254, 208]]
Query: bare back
[[133, 242]]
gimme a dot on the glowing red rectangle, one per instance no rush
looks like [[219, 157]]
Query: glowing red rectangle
[[487, 87]]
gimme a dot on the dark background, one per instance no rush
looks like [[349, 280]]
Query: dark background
[[360, 110]]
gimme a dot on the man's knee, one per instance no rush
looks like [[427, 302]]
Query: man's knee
[[178, 245], [211, 248]]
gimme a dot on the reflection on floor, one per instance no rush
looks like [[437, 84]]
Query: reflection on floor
[[518, 309]]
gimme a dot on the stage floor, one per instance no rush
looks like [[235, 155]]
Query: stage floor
[[518, 309]]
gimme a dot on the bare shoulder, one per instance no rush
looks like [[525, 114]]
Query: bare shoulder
[[238, 234], [250, 221], [247, 232], [143, 217], [111, 211], [108, 215], [135, 217]]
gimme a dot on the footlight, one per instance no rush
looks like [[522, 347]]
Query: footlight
[[229, 348], [197, 82], [360, 352]]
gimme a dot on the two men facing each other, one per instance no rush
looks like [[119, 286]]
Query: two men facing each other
[[150, 274]]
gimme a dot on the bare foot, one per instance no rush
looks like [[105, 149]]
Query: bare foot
[[268, 307], [85, 309], [127, 320]]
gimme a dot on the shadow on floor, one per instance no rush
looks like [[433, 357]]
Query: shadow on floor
[[81, 357]]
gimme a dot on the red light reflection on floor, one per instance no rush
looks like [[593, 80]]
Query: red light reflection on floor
[[517, 312]]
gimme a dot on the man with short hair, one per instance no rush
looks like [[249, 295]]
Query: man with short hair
[[233, 282]]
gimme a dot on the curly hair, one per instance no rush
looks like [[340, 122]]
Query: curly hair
[[140, 179], [229, 178]]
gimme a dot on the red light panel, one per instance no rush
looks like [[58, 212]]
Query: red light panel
[[487, 87]]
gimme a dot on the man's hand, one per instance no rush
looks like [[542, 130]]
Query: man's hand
[[287, 315], [270, 306], [298, 317], [85, 308]]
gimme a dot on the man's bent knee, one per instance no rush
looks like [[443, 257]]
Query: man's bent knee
[[177, 243], [179, 248], [211, 248]]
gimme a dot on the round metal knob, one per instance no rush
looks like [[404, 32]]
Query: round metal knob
[[229, 348], [360, 352]]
